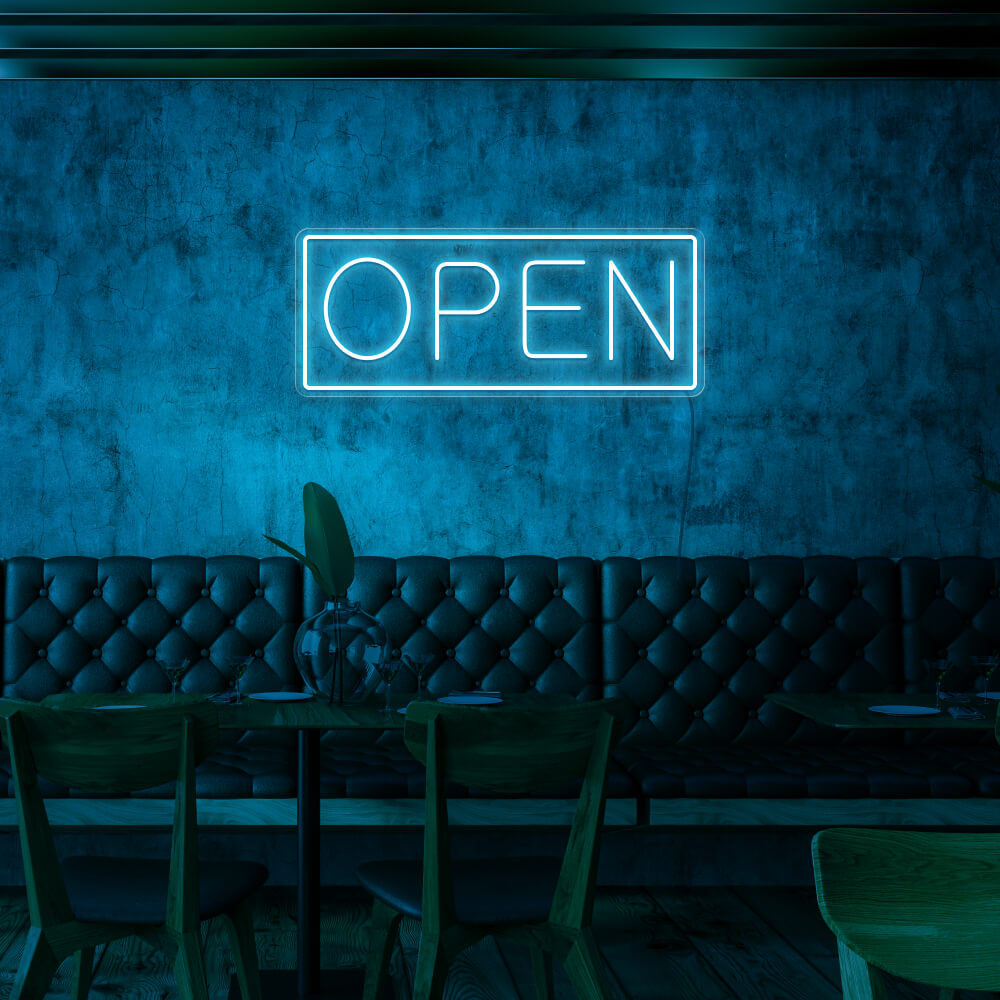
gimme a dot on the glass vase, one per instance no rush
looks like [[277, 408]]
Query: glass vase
[[332, 652]]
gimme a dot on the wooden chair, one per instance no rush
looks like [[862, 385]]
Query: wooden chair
[[922, 906], [83, 902], [545, 903]]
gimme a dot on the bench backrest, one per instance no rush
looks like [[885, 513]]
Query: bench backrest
[[691, 645], [694, 645]]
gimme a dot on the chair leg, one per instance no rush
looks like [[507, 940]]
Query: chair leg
[[859, 980], [189, 967], [585, 967], [83, 967], [541, 967], [38, 966], [239, 927], [381, 940], [432, 967]]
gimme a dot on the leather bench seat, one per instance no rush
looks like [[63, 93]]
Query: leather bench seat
[[806, 771], [693, 646], [389, 771]]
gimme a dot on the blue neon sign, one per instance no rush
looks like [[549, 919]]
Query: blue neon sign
[[500, 313]]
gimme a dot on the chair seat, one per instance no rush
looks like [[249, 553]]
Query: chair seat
[[486, 891], [134, 890]]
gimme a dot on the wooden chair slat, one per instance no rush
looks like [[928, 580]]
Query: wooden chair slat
[[114, 750], [509, 751]]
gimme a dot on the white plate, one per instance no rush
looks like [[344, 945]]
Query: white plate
[[469, 699], [114, 708], [904, 710], [280, 696]]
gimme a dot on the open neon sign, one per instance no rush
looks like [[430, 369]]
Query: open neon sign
[[532, 313]]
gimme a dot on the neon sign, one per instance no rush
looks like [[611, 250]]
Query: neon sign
[[500, 313]]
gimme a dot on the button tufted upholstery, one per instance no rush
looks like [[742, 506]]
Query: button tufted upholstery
[[694, 645], [950, 609], [99, 625], [516, 624], [507, 624]]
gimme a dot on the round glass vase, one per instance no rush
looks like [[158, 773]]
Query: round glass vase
[[333, 651]]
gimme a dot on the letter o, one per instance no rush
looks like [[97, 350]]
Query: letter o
[[326, 308]]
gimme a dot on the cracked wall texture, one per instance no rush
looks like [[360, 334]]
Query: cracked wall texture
[[147, 291]]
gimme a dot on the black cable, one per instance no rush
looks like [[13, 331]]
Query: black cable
[[687, 483]]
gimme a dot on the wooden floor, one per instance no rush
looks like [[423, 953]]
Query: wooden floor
[[682, 944]]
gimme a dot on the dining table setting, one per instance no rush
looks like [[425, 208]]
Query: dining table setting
[[309, 714]]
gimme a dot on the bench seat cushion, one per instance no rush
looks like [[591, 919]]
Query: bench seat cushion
[[387, 771], [250, 770], [806, 771]]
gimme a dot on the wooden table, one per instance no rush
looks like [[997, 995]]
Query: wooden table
[[850, 711], [309, 718]]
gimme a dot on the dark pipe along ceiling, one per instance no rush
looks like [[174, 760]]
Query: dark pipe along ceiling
[[636, 39]]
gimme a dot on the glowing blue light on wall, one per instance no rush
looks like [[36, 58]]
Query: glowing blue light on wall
[[473, 313]]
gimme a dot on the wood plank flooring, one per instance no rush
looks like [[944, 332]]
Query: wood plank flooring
[[659, 943]]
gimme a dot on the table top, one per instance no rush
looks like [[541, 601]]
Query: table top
[[315, 713], [850, 711]]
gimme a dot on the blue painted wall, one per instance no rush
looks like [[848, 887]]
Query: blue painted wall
[[147, 296]]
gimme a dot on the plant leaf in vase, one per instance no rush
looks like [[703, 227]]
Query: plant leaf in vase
[[328, 544], [329, 554], [992, 484], [308, 563]]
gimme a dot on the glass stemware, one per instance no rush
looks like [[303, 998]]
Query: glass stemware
[[175, 671], [387, 668], [985, 665], [239, 666], [418, 663]]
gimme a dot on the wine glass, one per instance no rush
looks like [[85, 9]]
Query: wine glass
[[175, 671], [418, 663], [985, 665], [387, 668], [239, 666]]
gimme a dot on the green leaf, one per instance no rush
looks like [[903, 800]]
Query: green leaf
[[328, 544], [992, 484], [308, 563]]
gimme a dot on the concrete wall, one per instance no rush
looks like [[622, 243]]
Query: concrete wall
[[147, 300]]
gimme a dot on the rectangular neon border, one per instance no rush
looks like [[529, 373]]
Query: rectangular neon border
[[693, 387]]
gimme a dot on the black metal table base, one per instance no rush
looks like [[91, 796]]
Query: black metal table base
[[307, 958], [335, 984]]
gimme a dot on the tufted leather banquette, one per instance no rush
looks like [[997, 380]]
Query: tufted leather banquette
[[692, 645]]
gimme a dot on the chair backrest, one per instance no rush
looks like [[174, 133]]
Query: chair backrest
[[510, 750], [107, 750], [921, 906], [115, 750]]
